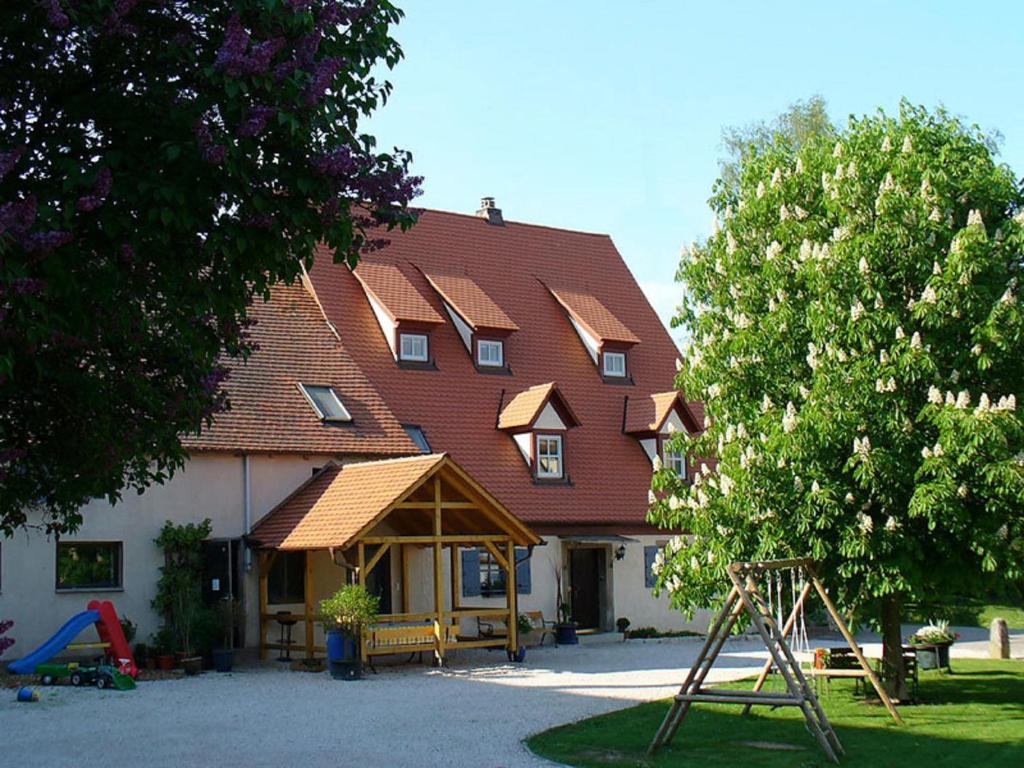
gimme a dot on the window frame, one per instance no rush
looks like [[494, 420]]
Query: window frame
[[499, 344], [116, 586], [541, 473], [616, 354], [345, 416], [488, 564], [402, 357], [669, 457], [281, 561]]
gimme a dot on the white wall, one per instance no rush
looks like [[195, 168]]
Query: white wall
[[210, 486]]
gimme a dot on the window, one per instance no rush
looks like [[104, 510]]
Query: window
[[675, 461], [482, 576], [615, 364], [650, 558], [418, 436], [490, 353], [286, 582], [89, 565], [325, 402], [413, 347], [549, 456]]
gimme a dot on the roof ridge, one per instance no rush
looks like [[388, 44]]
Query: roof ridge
[[415, 457], [517, 223]]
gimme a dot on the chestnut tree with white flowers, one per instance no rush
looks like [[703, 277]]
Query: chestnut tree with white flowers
[[857, 338]]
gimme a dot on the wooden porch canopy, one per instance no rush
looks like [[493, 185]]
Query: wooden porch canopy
[[359, 512]]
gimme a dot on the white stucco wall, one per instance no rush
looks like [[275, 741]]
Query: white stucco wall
[[210, 485]]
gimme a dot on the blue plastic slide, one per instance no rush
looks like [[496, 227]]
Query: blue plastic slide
[[72, 627]]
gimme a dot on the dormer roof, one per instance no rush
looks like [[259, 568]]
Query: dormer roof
[[593, 316], [646, 415], [470, 301], [523, 410], [385, 284]]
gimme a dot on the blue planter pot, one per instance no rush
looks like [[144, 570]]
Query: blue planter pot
[[565, 634], [343, 656]]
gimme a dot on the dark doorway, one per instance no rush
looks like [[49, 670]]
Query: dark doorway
[[222, 573], [586, 580], [378, 581]]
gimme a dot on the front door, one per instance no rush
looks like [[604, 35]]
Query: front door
[[586, 569]]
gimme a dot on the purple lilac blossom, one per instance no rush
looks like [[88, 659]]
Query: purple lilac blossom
[[55, 14], [100, 190], [256, 121], [9, 159], [323, 76]]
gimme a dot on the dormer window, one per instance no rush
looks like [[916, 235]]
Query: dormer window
[[325, 402], [413, 347], [614, 365], [549, 456], [675, 461], [490, 353]]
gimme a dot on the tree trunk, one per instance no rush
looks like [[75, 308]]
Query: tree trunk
[[894, 673]]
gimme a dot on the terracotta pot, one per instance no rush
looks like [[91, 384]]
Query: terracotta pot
[[165, 661], [192, 665]]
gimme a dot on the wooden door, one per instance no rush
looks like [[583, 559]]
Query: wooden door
[[585, 586]]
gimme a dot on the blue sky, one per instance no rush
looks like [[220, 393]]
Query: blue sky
[[607, 117]]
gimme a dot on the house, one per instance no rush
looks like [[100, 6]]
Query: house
[[465, 423], [530, 355]]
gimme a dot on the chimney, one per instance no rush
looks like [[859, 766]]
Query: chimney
[[490, 212]]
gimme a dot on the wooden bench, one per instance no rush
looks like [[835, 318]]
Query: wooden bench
[[384, 639], [497, 627], [843, 663]]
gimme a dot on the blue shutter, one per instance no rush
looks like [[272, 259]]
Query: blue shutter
[[470, 572], [649, 578], [522, 572]]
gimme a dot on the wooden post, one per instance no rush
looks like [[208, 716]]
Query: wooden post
[[761, 678], [361, 575], [405, 578], [512, 597], [310, 591], [456, 576], [264, 566], [439, 628]]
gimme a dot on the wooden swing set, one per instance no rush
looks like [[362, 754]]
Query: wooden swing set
[[745, 596]]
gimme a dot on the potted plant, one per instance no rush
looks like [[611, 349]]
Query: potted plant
[[565, 629], [143, 656], [932, 642], [232, 616], [163, 649], [179, 595], [344, 616], [622, 625], [129, 629]]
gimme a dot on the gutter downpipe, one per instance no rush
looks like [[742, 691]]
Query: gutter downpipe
[[247, 507]]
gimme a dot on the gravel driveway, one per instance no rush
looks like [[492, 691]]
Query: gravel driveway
[[475, 713]]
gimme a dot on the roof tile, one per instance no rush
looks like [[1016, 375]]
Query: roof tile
[[396, 294], [469, 300]]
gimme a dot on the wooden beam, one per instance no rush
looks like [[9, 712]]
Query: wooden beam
[[405, 577], [439, 629], [496, 553], [310, 591], [263, 563], [448, 538], [786, 629], [848, 636], [429, 505], [381, 551], [456, 575], [361, 575], [511, 597]]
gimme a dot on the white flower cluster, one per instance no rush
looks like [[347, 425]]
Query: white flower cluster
[[974, 217], [886, 144], [856, 311], [934, 395], [885, 386], [892, 524], [915, 340], [773, 250], [726, 484], [862, 447], [730, 243], [714, 391], [789, 420], [766, 403], [908, 145], [863, 266], [936, 451], [867, 525], [812, 355], [1005, 403]]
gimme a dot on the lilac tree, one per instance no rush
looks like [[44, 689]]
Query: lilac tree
[[162, 164]]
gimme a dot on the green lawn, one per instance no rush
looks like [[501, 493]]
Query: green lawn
[[969, 612], [974, 718]]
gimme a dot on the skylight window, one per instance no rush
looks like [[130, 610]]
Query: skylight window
[[325, 402], [418, 436]]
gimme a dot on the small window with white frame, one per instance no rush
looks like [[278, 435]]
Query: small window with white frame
[[490, 353], [549, 456], [325, 402], [413, 347], [614, 365], [676, 462]]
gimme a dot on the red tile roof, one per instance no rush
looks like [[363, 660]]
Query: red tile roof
[[476, 307], [395, 293], [458, 407], [587, 310], [269, 414]]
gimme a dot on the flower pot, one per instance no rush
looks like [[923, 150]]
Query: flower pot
[[565, 634], [192, 665], [165, 662], [343, 656], [223, 659]]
